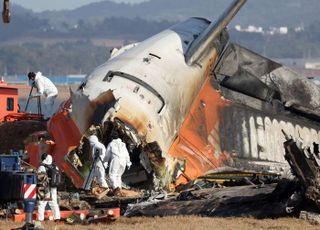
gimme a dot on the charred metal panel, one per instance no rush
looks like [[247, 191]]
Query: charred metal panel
[[255, 140], [242, 133], [267, 98], [86, 112], [198, 143], [244, 71], [304, 161]]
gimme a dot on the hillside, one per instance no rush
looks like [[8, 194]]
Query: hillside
[[76, 41], [258, 12]]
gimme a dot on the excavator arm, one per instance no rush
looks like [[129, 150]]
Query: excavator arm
[[6, 11]]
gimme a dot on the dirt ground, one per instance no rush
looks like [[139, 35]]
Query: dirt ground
[[185, 223]]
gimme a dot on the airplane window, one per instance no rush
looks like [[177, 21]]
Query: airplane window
[[10, 104]]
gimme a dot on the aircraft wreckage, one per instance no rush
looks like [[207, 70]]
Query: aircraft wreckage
[[187, 102]]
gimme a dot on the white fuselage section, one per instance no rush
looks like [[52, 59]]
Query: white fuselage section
[[159, 62]]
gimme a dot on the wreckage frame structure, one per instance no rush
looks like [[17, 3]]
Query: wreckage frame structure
[[196, 112], [188, 103], [190, 106]]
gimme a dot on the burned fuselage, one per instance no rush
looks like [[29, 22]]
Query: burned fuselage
[[153, 90], [185, 106]]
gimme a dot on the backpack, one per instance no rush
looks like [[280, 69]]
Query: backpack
[[54, 175]]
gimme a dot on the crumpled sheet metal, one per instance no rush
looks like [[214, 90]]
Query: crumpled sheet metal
[[198, 142], [245, 71], [304, 162], [239, 201], [243, 130], [86, 112]]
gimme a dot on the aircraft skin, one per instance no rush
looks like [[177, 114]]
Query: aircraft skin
[[178, 125], [159, 62]]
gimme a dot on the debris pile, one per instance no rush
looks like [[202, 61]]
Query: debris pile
[[93, 216], [305, 165], [254, 195], [269, 200]]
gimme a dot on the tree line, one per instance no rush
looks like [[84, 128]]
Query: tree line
[[83, 56], [58, 59]]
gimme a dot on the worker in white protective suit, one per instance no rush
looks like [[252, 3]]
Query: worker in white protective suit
[[118, 156], [45, 87], [51, 195], [99, 164]]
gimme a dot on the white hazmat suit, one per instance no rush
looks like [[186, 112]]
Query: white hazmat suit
[[53, 194], [118, 156], [98, 170], [47, 88]]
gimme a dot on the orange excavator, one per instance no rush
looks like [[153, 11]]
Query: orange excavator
[[11, 111], [16, 125]]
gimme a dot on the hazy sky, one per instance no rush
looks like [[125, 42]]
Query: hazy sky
[[41, 5]]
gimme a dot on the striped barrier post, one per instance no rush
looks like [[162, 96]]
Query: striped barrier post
[[29, 191], [29, 196]]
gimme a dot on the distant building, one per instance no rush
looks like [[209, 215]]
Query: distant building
[[312, 65], [258, 29], [283, 30], [278, 30], [238, 27], [299, 29], [249, 29]]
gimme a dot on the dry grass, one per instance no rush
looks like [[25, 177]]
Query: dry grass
[[63, 94], [185, 223]]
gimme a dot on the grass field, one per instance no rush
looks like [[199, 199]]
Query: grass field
[[185, 223]]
